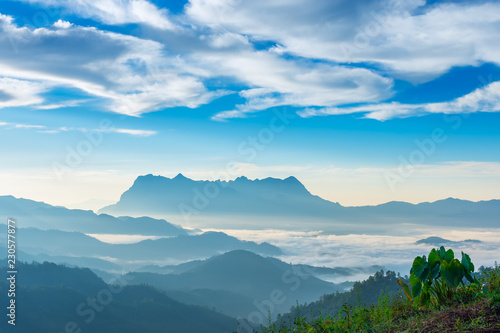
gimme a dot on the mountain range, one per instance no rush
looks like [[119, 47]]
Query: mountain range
[[242, 196], [40, 215], [438, 241], [286, 202], [76, 248], [243, 279]]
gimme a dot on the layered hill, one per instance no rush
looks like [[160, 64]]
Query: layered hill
[[252, 280], [40, 215], [50, 296], [79, 249]]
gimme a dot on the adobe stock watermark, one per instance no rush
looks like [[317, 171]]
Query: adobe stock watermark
[[292, 280], [88, 310], [372, 29], [39, 19], [11, 271], [249, 149], [424, 148], [75, 155], [418, 156]]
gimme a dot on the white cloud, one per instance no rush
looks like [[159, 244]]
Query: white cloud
[[138, 77], [282, 82], [62, 24], [25, 126], [414, 42], [134, 132], [64, 104], [133, 74], [228, 39], [115, 12], [303, 64], [43, 129], [485, 99], [21, 126], [16, 93]]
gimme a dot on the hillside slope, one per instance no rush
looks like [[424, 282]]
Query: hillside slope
[[51, 296]]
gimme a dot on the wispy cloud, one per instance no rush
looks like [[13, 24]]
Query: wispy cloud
[[21, 92], [114, 12], [63, 104], [134, 132], [486, 99], [43, 129], [21, 126], [407, 36], [25, 126], [284, 82], [336, 53], [132, 73]]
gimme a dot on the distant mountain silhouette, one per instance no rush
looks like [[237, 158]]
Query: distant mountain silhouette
[[40, 215], [46, 243], [181, 195], [245, 274], [70, 261], [289, 199], [438, 241], [345, 272]]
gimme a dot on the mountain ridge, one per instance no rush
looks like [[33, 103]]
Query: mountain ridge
[[287, 198], [246, 274]]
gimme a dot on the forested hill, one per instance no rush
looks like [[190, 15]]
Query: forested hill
[[362, 293], [50, 297]]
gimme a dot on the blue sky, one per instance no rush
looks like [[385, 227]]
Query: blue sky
[[385, 100]]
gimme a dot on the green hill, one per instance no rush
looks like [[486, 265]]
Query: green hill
[[50, 297], [250, 278]]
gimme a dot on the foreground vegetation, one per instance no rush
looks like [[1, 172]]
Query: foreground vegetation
[[441, 295]]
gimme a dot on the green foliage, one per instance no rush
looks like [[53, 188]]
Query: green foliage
[[372, 318], [494, 302], [362, 293], [436, 281], [477, 311], [491, 279]]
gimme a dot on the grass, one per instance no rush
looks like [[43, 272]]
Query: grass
[[472, 310]]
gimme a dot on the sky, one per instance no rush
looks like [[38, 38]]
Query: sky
[[363, 101]]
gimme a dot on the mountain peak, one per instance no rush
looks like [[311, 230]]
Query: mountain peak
[[180, 176], [291, 179], [242, 196], [148, 177]]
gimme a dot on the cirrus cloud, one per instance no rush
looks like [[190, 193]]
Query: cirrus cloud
[[334, 54], [134, 75], [114, 12], [486, 99]]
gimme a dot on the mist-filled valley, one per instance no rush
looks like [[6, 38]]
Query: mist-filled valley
[[237, 276]]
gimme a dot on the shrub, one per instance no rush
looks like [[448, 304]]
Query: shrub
[[434, 281]]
